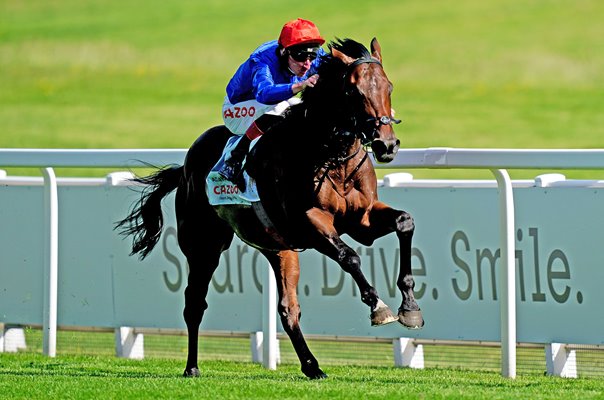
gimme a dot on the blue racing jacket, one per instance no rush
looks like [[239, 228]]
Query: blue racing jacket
[[262, 77]]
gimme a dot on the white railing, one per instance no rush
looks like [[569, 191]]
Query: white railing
[[495, 160]]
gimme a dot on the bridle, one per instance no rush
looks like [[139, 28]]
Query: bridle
[[375, 122], [358, 129]]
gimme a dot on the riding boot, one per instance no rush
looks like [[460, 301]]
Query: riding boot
[[232, 168], [232, 165]]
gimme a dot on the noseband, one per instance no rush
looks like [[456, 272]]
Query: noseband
[[376, 122]]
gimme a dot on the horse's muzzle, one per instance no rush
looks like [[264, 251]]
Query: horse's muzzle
[[384, 151]]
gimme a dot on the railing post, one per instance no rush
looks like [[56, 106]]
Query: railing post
[[256, 339], [51, 210], [129, 343], [507, 273], [560, 361], [257, 348], [269, 319], [407, 353], [12, 338]]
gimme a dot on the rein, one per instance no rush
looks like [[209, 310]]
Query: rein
[[339, 162]]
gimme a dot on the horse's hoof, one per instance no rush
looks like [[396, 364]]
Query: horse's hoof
[[192, 373], [382, 315], [312, 371], [411, 319], [318, 374]]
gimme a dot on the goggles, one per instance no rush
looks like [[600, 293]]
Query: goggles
[[303, 54]]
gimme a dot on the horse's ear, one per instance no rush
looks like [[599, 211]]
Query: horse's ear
[[345, 59], [376, 49]]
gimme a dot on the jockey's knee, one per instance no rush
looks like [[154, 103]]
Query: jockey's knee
[[280, 107], [266, 121]]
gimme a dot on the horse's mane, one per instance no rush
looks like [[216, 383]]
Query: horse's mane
[[331, 73], [350, 47]]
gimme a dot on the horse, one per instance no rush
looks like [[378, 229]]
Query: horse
[[315, 184]]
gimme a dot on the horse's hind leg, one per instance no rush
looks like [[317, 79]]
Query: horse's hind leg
[[203, 257], [200, 274], [286, 267]]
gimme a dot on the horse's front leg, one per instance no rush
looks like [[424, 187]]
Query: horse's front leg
[[286, 267], [382, 220], [409, 313], [329, 243]]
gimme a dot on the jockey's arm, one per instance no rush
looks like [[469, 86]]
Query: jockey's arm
[[266, 91]]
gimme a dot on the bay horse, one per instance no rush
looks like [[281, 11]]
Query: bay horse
[[315, 183]]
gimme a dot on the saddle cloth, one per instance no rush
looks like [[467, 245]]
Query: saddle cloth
[[221, 191]]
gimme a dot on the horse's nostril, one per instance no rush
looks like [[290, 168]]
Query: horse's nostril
[[379, 147]]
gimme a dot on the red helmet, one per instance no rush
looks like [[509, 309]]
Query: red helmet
[[299, 31]]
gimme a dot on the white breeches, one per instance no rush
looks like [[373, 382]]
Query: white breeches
[[238, 117]]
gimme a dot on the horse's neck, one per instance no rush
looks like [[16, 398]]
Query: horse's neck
[[355, 151], [348, 162]]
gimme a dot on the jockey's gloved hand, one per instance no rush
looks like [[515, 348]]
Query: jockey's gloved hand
[[311, 81]]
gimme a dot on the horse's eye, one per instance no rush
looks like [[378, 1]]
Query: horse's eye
[[371, 124]]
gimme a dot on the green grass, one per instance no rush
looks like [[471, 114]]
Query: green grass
[[152, 74], [85, 367], [82, 377]]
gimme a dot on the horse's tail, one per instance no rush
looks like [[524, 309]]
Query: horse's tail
[[145, 221]]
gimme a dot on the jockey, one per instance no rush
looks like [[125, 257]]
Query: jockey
[[265, 85]]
